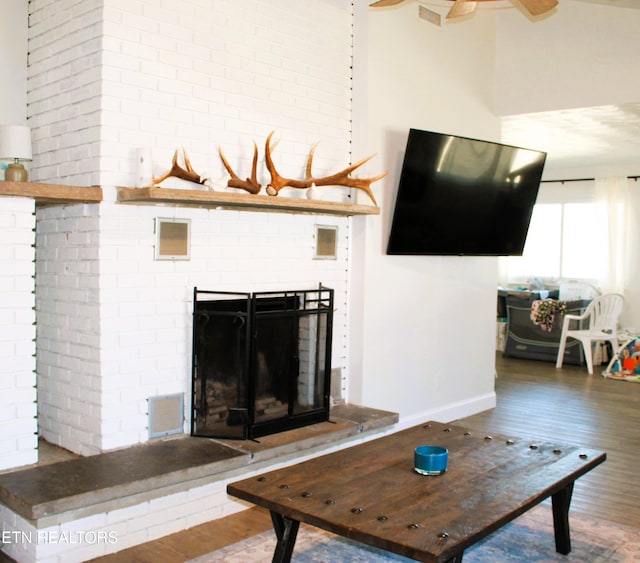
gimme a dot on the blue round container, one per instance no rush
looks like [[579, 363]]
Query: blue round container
[[430, 460]]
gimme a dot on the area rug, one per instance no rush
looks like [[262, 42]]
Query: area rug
[[528, 538]]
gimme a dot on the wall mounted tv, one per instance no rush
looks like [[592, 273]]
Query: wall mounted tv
[[462, 196]]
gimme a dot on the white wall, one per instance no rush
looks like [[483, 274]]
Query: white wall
[[13, 62], [582, 55], [429, 322]]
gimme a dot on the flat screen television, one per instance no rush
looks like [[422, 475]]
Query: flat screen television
[[463, 196]]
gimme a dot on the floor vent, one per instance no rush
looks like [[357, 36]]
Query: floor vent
[[166, 415]]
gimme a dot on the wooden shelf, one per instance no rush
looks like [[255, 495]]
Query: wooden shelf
[[56, 194], [51, 194], [248, 202]]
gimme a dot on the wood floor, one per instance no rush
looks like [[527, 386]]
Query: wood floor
[[534, 400]]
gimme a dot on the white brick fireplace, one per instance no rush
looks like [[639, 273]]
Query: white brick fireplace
[[114, 325], [94, 325], [106, 77]]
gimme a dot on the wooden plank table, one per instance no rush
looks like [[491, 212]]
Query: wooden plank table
[[370, 492]]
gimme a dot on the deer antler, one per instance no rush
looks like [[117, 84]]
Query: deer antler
[[250, 184], [178, 172], [341, 178]]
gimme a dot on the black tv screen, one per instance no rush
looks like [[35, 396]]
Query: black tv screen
[[463, 196]]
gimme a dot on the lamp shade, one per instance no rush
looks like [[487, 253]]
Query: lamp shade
[[15, 142]]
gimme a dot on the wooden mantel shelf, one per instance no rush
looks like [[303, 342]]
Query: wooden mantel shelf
[[48, 194], [248, 202]]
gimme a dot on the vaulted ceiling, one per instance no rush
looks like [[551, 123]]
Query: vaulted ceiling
[[604, 136]]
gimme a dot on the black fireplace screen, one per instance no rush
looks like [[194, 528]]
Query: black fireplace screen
[[261, 361]]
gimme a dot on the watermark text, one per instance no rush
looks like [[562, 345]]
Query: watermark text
[[89, 537]]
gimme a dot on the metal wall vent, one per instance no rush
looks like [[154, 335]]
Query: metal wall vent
[[166, 415]]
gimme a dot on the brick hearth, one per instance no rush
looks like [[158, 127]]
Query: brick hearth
[[85, 507]]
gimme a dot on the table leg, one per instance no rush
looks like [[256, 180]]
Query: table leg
[[286, 531], [560, 504]]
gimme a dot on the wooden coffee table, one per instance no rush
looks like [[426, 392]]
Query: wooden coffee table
[[370, 492]]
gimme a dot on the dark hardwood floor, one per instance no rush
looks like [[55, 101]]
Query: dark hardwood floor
[[534, 400], [539, 401]]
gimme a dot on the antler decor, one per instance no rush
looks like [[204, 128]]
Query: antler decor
[[177, 171], [277, 182], [341, 178], [250, 184]]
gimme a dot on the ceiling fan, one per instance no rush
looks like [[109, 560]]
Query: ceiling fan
[[463, 7]]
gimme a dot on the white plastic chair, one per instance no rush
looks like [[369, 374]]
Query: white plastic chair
[[602, 315], [572, 290]]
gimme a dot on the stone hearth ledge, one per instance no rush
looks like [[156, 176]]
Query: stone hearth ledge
[[60, 492]]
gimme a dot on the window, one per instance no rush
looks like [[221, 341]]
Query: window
[[541, 256], [584, 241], [567, 237]]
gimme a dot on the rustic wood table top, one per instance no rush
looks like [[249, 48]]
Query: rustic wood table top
[[371, 493]]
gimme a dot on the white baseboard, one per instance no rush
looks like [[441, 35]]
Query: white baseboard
[[452, 411]]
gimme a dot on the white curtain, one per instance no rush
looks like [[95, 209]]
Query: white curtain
[[612, 196]]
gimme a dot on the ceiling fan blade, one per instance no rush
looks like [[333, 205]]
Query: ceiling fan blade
[[538, 7], [385, 3], [461, 8]]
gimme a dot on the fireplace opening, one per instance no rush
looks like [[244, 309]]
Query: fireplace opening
[[261, 362]]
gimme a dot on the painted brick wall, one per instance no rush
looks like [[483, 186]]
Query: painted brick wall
[[114, 324], [18, 423], [67, 311], [63, 90], [108, 76], [200, 75], [85, 538]]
